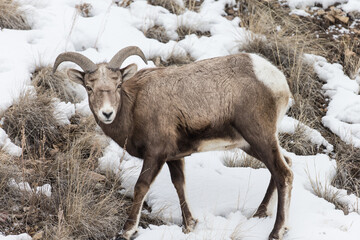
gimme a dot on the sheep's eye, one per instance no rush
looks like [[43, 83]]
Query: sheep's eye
[[118, 86], [89, 89]]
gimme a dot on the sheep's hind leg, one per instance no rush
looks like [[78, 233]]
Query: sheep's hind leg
[[270, 197], [176, 168]]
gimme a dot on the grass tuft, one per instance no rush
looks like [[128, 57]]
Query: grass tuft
[[158, 33], [184, 31], [56, 84], [298, 142], [241, 159], [171, 5], [11, 17], [30, 123]]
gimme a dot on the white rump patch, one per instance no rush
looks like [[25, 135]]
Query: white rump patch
[[267, 73]]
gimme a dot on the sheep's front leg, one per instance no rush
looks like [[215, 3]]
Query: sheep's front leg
[[176, 168], [151, 168]]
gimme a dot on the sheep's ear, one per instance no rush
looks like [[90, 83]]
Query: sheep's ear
[[76, 76], [128, 71]]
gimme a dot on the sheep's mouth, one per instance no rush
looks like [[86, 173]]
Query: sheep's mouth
[[108, 121]]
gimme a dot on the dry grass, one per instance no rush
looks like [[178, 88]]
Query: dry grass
[[176, 60], [298, 143], [328, 193], [183, 31], [158, 33], [11, 17], [348, 167], [84, 9], [170, 5], [30, 123], [56, 84], [83, 205], [241, 159]]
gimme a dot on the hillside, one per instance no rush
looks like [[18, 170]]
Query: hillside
[[62, 178]]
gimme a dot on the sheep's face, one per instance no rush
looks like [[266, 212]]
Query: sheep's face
[[104, 89]]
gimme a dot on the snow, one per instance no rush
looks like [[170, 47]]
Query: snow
[[222, 199], [289, 125], [8, 146], [346, 5], [25, 187], [23, 236], [343, 115], [299, 12], [63, 111]]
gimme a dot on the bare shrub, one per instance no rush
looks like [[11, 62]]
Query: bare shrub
[[11, 17], [56, 84], [241, 159], [158, 33]]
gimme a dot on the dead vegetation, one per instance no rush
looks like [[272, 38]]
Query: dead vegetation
[[56, 84], [183, 31], [11, 17], [241, 159], [174, 59], [298, 143], [171, 5], [158, 33], [30, 123], [84, 9]]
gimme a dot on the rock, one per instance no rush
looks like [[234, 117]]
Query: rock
[[321, 12], [96, 176], [330, 18], [342, 19]]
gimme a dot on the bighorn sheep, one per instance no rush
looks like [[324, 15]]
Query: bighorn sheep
[[165, 114]]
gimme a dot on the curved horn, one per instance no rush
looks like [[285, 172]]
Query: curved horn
[[86, 64], [120, 56]]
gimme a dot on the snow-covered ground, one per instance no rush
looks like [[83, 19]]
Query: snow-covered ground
[[222, 199]]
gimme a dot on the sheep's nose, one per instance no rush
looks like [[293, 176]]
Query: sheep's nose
[[107, 114]]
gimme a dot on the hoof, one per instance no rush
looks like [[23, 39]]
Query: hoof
[[278, 235], [190, 226], [274, 237], [261, 213], [125, 236]]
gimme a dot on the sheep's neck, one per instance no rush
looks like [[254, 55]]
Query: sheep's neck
[[121, 128]]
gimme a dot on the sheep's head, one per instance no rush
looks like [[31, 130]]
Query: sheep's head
[[102, 81]]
